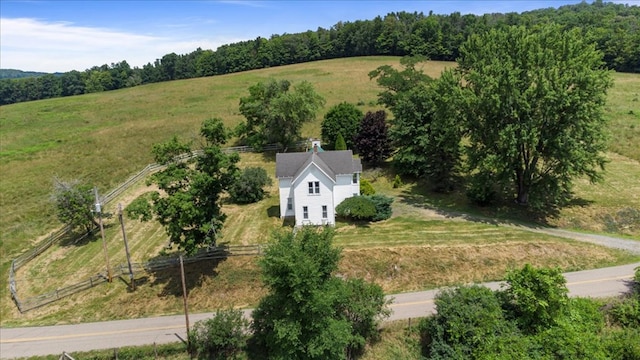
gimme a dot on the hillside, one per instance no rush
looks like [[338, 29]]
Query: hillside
[[105, 138], [18, 74]]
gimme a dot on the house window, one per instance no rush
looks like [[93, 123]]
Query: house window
[[289, 204], [314, 187], [355, 178], [305, 212], [324, 211]]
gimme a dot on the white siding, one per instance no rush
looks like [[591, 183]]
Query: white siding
[[343, 189], [286, 192], [314, 201]]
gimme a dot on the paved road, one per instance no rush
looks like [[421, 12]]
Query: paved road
[[30, 341]]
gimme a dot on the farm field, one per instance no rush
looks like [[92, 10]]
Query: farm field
[[105, 138]]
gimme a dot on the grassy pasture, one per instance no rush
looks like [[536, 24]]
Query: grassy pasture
[[105, 138], [415, 249]]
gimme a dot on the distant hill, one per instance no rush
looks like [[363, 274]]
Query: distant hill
[[17, 74]]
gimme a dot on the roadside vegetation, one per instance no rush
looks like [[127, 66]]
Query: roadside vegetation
[[530, 318]]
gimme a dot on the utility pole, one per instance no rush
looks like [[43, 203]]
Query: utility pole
[[104, 241], [184, 298], [126, 247]]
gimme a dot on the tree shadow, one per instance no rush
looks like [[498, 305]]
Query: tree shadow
[[455, 205], [289, 221], [633, 287], [165, 270], [269, 156], [360, 224], [579, 202], [81, 238], [273, 211], [138, 281]]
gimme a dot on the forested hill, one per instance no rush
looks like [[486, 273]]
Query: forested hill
[[614, 28], [17, 74]]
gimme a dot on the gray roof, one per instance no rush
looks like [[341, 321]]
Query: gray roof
[[331, 162]]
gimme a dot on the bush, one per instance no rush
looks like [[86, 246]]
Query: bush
[[481, 189], [622, 344], [221, 337], [248, 187], [397, 182], [364, 306], [340, 143], [626, 312], [574, 333], [535, 297], [569, 340], [469, 321], [366, 188], [383, 206], [357, 208]]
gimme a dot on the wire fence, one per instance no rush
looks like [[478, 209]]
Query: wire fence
[[43, 299]]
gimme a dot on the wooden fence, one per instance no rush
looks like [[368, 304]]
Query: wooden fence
[[214, 253], [22, 259]]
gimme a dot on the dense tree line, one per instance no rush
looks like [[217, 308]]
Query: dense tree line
[[614, 28], [527, 103]]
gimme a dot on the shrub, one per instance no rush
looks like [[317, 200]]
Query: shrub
[[622, 344], [569, 340], [366, 188], [221, 337], [340, 143], [357, 208], [481, 189], [383, 207], [364, 306], [397, 182], [626, 312], [469, 321], [535, 297], [249, 186]]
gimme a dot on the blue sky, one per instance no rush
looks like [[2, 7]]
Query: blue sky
[[62, 36]]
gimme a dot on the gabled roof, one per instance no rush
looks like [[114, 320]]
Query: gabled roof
[[332, 163]]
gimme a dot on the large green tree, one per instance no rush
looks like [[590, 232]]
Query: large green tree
[[427, 129], [309, 313], [535, 102], [275, 112], [427, 126], [188, 203], [342, 119]]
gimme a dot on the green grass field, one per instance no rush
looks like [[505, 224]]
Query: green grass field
[[105, 138]]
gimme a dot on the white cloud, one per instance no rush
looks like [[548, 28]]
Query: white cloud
[[34, 45]]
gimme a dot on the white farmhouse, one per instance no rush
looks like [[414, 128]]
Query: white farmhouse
[[313, 183]]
